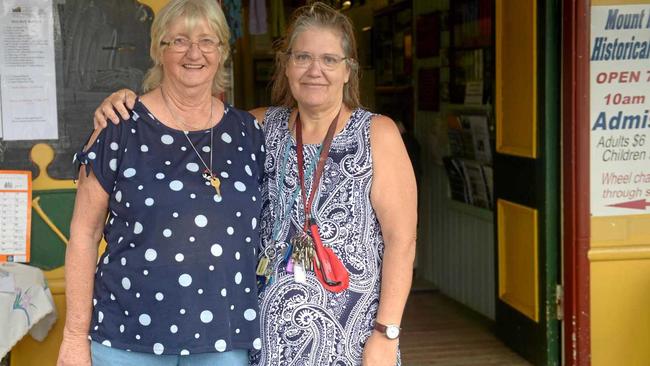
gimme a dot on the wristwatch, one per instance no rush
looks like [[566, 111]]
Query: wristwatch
[[391, 331]]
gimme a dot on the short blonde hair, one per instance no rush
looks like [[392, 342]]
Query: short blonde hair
[[193, 11], [316, 15]]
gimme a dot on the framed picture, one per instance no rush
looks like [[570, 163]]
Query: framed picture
[[427, 35]]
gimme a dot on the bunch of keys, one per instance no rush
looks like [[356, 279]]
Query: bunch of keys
[[265, 266], [302, 256]]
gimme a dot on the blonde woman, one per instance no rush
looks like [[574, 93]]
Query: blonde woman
[[175, 190]]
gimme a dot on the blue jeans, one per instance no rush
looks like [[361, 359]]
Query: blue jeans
[[107, 356]]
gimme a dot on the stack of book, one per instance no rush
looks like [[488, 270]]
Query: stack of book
[[469, 167]]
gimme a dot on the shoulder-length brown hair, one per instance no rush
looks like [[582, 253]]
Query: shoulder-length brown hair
[[192, 11], [316, 15]]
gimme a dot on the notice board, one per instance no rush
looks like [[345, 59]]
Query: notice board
[[100, 46]]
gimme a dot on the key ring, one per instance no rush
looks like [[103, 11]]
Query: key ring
[[270, 252]]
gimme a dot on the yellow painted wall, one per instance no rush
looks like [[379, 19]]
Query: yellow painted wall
[[620, 290], [620, 281], [618, 2]]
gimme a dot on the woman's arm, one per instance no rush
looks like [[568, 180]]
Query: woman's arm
[[119, 102], [88, 220], [259, 114], [394, 198]]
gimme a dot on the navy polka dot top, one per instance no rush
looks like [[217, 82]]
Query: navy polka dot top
[[178, 274]]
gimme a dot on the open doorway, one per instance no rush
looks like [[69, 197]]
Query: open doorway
[[488, 178]]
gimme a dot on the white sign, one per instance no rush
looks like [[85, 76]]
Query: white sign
[[27, 70], [15, 215], [620, 110]]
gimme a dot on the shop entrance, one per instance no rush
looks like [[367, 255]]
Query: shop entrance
[[475, 86], [527, 178]]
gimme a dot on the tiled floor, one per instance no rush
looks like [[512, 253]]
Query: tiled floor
[[439, 331]]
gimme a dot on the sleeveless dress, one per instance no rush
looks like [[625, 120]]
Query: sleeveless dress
[[304, 324]]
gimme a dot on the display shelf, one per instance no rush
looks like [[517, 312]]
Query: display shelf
[[468, 107], [393, 61], [471, 210], [393, 89]]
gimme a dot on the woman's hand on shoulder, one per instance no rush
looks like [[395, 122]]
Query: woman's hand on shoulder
[[259, 114], [120, 102], [379, 351]]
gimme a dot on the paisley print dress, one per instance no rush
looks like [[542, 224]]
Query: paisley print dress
[[304, 324]]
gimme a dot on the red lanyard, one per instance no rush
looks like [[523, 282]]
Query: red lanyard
[[319, 168]]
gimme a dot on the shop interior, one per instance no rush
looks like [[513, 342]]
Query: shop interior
[[429, 65]]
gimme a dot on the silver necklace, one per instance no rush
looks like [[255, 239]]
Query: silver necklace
[[208, 173]]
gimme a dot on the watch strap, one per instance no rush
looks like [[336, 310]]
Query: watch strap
[[380, 327], [383, 328]]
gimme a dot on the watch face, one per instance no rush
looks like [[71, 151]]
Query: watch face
[[392, 332]]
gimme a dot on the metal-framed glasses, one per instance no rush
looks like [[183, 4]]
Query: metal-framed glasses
[[305, 59], [182, 44]]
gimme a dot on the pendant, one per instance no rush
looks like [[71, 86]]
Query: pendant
[[216, 183], [213, 180]]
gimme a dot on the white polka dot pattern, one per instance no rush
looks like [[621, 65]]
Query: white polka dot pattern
[[179, 256]]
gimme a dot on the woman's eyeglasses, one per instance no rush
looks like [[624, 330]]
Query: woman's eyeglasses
[[305, 59], [182, 44]]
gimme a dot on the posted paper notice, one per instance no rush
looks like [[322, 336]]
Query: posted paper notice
[[15, 215], [619, 110], [27, 70]]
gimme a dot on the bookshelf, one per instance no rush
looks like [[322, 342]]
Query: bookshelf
[[479, 108], [471, 53], [393, 61], [469, 163], [469, 111]]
